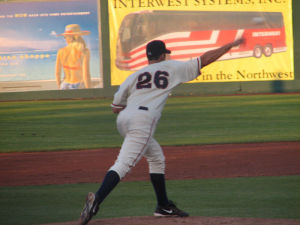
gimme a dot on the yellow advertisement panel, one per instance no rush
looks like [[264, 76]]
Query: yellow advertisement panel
[[192, 27]]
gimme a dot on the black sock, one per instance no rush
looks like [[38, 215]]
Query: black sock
[[158, 182], [110, 181]]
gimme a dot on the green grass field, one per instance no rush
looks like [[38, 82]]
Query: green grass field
[[81, 124], [261, 197]]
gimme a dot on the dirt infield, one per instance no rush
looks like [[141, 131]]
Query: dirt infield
[[149, 220], [185, 162]]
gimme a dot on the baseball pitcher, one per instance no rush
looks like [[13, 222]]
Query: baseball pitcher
[[139, 103]]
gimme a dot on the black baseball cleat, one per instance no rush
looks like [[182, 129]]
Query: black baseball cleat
[[169, 210], [90, 209]]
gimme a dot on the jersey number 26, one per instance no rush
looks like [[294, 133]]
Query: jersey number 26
[[160, 80]]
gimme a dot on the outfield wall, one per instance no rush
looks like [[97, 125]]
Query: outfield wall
[[186, 89]]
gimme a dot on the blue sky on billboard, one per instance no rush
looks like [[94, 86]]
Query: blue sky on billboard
[[33, 26]]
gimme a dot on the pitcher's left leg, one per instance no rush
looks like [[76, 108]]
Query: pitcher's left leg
[[156, 161]]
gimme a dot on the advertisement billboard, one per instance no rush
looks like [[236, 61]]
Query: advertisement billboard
[[50, 45], [190, 28]]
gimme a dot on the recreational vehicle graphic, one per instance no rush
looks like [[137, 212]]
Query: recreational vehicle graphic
[[189, 34]]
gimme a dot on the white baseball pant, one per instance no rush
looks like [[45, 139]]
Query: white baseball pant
[[137, 127]]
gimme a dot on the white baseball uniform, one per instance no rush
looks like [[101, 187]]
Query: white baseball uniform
[[144, 93]]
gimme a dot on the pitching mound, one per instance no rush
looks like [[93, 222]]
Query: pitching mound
[[150, 220]]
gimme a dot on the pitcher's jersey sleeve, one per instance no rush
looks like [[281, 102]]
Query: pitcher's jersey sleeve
[[120, 97], [186, 71]]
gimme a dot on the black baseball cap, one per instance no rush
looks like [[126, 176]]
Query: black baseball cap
[[155, 48]]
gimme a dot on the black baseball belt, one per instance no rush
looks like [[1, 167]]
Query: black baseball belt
[[143, 108]]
